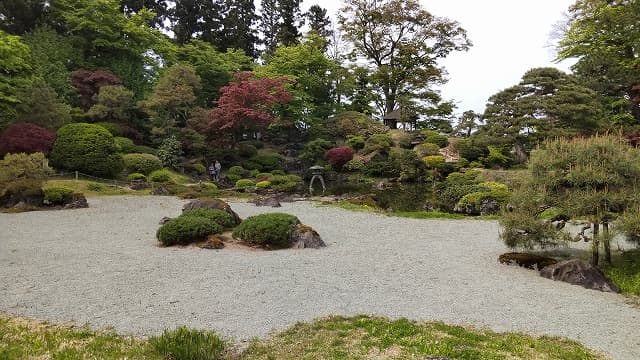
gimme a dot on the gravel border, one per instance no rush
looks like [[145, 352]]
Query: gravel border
[[101, 266]]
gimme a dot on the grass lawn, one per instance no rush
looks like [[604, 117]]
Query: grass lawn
[[408, 214], [360, 337], [624, 272]]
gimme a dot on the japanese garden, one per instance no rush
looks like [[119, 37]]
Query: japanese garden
[[239, 179]]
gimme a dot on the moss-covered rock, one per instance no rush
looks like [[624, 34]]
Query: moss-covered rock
[[212, 204]]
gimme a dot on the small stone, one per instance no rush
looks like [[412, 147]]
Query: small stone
[[164, 220]]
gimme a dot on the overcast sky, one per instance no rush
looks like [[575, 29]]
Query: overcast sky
[[509, 37]]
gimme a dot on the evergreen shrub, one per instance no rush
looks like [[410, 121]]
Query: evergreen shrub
[[141, 163], [272, 230]]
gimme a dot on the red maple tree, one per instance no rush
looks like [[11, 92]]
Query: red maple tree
[[339, 156], [26, 138], [247, 104], [89, 82]]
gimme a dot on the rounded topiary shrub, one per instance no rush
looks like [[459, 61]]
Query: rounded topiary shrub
[[186, 229], [136, 177], [271, 230], [87, 148], [285, 182], [220, 217], [124, 145], [245, 183], [433, 161], [237, 170], [141, 163], [57, 194], [26, 138], [160, 176], [263, 162], [263, 184]]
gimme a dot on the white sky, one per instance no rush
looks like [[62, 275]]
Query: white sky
[[509, 37]]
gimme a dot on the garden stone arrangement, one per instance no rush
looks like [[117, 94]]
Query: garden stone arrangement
[[111, 273]]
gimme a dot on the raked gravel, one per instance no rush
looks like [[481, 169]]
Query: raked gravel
[[101, 266]]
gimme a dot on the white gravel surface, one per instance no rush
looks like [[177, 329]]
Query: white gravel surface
[[101, 266]]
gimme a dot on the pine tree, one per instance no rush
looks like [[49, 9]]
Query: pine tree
[[288, 33], [269, 24], [319, 22], [239, 20]]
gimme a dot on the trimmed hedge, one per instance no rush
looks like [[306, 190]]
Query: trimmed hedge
[[187, 229], [263, 162], [141, 163], [245, 183], [86, 148], [57, 194], [136, 177], [263, 184], [272, 230], [285, 182], [237, 170], [160, 176], [220, 217]]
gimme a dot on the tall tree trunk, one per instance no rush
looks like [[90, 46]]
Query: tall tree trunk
[[595, 255], [606, 242]]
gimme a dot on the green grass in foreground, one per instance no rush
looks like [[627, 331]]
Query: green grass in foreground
[[365, 337], [624, 272], [360, 337]]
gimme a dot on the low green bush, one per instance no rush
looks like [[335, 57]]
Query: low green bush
[[433, 137], [186, 229], [264, 175], [199, 168], [245, 183], [141, 163], [389, 169], [160, 176], [57, 194], [278, 172], [237, 170], [378, 142], [486, 191], [188, 344], [433, 161], [233, 178], [263, 184], [209, 186], [97, 187], [355, 142], [427, 149], [220, 217], [285, 182], [136, 177], [273, 230], [124, 145], [142, 149], [263, 162]]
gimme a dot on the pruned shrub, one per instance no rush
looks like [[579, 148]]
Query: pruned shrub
[[433, 161], [142, 149], [188, 344], [264, 175], [402, 139], [427, 149], [355, 123], [355, 165], [26, 138], [57, 195], [187, 229], [21, 178], [355, 142], [198, 168], [136, 177], [263, 162], [247, 150], [485, 191], [378, 142], [245, 183], [263, 184], [629, 225], [389, 169], [113, 128], [86, 148], [97, 187], [124, 145], [314, 150], [432, 137], [339, 156], [285, 182], [218, 216], [278, 172], [141, 163], [160, 176], [271, 230], [237, 170], [233, 178]]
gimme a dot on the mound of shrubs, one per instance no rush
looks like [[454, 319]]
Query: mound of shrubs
[[184, 230], [471, 203], [57, 195], [86, 148], [285, 182], [263, 162], [245, 183], [21, 179], [141, 163], [160, 176], [272, 230], [217, 216], [136, 177]]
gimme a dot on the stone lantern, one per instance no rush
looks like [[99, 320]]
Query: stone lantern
[[316, 172]]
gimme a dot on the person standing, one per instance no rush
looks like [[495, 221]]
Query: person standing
[[212, 171], [218, 168]]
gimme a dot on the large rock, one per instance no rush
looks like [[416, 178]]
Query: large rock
[[212, 204], [489, 207], [266, 201], [305, 237], [580, 273], [77, 201]]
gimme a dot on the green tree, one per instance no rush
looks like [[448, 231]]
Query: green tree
[[15, 62], [468, 122], [594, 179], [159, 8], [600, 35], [114, 103], [41, 105], [172, 99], [237, 27], [319, 23], [197, 19], [314, 77], [269, 24], [402, 43], [291, 20], [547, 102]]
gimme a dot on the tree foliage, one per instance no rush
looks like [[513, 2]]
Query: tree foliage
[[248, 104], [26, 138], [15, 61], [42, 106], [402, 43]]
